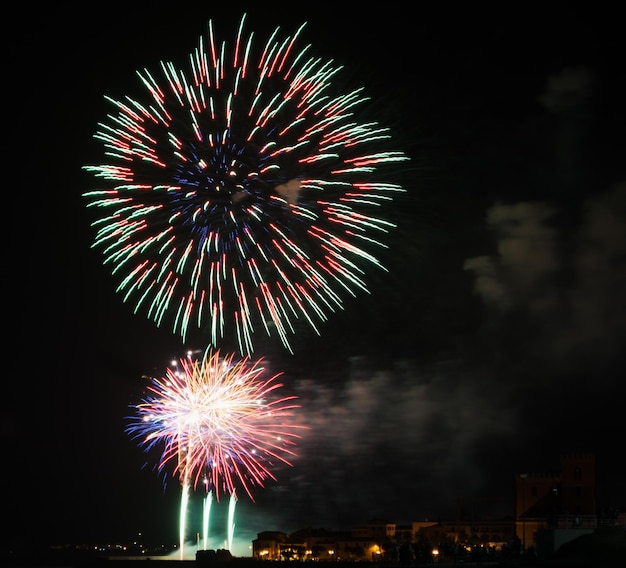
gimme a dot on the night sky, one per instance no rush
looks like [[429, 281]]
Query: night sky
[[494, 342]]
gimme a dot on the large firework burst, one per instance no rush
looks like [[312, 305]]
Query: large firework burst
[[218, 421], [244, 193]]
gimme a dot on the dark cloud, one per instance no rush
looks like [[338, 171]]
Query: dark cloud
[[569, 285], [568, 90]]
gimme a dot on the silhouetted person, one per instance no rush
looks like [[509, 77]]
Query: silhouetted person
[[406, 554]]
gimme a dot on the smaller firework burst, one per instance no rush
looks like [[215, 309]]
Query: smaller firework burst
[[217, 420]]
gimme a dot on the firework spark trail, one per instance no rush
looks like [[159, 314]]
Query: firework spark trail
[[231, 521], [182, 523], [242, 194], [217, 419], [206, 515]]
